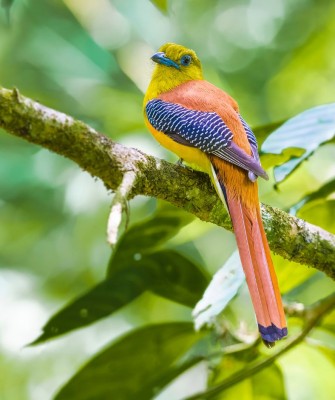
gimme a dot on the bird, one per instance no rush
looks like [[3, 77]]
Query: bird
[[203, 126]]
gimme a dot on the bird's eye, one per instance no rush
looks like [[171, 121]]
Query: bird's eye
[[186, 60]]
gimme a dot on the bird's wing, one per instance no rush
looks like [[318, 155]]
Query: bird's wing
[[205, 131], [251, 138]]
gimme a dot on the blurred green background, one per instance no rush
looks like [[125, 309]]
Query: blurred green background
[[91, 59]]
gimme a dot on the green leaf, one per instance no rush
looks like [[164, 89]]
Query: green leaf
[[268, 384], [104, 299], [166, 273], [269, 160], [323, 338], [136, 366], [242, 390], [323, 192], [291, 275], [222, 288], [299, 137], [145, 237], [136, 266], [311, 289], [162, 5], [175, 277]]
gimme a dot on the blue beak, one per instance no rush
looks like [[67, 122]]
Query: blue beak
[[160, 58]]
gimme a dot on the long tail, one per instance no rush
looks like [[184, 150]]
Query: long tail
[[258, 268]]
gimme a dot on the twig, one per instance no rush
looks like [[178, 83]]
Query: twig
[[118, 205], [313, 315]]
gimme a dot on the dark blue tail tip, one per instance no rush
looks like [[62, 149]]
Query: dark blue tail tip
[[271, 334]]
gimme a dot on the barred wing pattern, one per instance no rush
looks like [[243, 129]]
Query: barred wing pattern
[[251, 138], [205, 131]]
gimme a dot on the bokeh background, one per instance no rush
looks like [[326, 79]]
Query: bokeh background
[[91, 59]]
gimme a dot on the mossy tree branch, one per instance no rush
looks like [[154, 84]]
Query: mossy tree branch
[[291, 237]]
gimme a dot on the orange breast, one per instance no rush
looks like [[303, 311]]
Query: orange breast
[[201, 95]]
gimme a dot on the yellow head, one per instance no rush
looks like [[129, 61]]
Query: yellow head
[[176, 64]]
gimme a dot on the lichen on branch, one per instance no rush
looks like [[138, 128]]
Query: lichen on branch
[[291, 237]]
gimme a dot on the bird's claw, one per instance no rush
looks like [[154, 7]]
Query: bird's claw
[[180, 163]]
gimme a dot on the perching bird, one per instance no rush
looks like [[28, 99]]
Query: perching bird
[[202, 125]]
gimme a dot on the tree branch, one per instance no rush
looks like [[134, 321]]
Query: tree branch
[[291, 237]]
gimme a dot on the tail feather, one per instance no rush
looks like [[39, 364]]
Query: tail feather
[[258, 267], [271, 271]]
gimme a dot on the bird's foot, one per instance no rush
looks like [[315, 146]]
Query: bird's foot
[[180, 163]]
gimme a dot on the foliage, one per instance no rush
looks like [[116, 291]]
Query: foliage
[[302, 135], [157, 349], [91, 60]]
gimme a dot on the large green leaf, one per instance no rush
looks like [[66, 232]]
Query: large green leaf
[[166, 273], [104, 299], [136, 366], [175, 277], [297, 139]]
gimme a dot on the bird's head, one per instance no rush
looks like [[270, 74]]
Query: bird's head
[[176, 64]]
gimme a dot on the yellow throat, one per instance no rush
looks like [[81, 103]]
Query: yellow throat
[[176, 65], [165, 78]]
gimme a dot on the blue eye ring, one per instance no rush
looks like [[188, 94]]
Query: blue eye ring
[[186, 60]]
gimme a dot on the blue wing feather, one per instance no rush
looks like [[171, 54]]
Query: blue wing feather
[[205, 131], [251, 138]]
